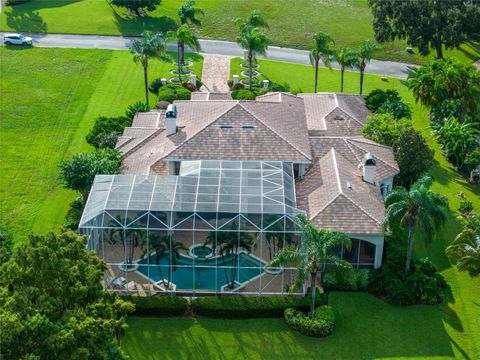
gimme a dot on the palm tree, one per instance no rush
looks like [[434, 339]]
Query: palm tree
[[418, 207], [183, 36], [364, 53], [465, 249], [457, 139], [322, 50], [277, 241], [347, 59], [130, 238], [228, 244], [150, 45], [317, 249], [188, 13], [255, 42]]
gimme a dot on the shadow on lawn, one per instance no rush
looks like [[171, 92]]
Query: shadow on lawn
[[25, 21], [134, 26]]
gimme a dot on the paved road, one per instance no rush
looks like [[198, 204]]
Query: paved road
[[387, 68]]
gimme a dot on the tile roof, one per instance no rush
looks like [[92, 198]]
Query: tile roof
[[334, 196]]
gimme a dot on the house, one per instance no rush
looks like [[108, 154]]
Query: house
[[222, 181]]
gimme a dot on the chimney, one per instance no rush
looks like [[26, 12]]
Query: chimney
[[171, 120], [369, 165]]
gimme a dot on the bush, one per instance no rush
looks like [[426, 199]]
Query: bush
[[466, 207], [134, 108], [279, 87], [237, 86], [237, 306], [333, 280], [388, 102], [74, 214], [106, 140], [399, 292], [155, 86], [106, 125], [162, 104], [243, 94], [15, 2], [172, 92], [189, 86], [321, 324], [158, 305]]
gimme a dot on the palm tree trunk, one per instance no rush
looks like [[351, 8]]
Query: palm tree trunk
[[250, 70], [362, 73], [316, 75], [145, 78], [438, 47], [182, 53], [179, 65], [313, 290], [342, 70], [411, 228]]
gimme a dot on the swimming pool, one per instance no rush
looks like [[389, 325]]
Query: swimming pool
[[203, 274]]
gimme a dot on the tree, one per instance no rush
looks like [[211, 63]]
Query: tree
[[227, 244], [457, 140], [137, 5], [419, 208], [79, 172], [255, 42], [465, 249], [426, 23], [447, 87], [364, 53], [188, 13], [347, 59], [148, 46], [413, 155], [317, 248], [388, 101], [183, 36], [322, 50], [162, 246], [276, 241], [54, 305]]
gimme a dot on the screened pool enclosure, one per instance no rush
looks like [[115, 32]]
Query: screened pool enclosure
[[211, 229]]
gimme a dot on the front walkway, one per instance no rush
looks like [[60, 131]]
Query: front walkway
[[215, 73]]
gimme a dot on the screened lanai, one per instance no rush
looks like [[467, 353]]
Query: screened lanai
[[210, 229]]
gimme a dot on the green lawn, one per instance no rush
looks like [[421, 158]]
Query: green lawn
[[292, 22], [50, 98]]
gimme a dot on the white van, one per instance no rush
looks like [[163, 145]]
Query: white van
[[17, 39]]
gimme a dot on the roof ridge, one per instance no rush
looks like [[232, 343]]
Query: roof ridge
[[359, 138], [200, 130], [276, 133], [143, 142], [378, 158]]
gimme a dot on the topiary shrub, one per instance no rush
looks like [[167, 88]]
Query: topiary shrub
[[243, 94], [237, 306], [158, 305], [155, 86], [172, 92], [321, 324]]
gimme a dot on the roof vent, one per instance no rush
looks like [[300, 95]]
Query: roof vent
[[226, 126], [247, 127], [338, 117], [369, 166], [349, 185], [171, 120]]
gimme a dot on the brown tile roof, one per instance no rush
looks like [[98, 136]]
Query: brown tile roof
[[204, 96], [335, 197]]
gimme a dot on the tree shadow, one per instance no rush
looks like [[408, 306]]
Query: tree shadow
[[30, 21], [42, 4], [134, 26]]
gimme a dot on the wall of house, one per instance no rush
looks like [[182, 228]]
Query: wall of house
[[386, 185]]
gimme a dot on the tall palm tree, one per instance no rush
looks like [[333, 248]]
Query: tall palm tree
[[418, 207], [228, 244], [364, 53], [150, 45], [465, 249], [317, 249], [183, 36], [255, 42], [276, 241], [188, 13], [130, 238], [347, 59], [322, 50]]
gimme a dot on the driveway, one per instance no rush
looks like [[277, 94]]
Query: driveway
[[216, 47]]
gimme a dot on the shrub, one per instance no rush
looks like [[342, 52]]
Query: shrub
[[15, 2], [388, 102], [162, 104], [74, 214], [158, 305], [333, 280], [321, 324], [155, 85], [399, 292], [189, 86], [106, 125], [279, 87], [172, 92], [230, 84], [134, 108], [237, 86], [106, 140], [466, 207], [243, 94], [237, 306]]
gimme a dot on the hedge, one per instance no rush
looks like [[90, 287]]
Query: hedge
[[333, 281], [158, 305], [237, 306], [321, 324]]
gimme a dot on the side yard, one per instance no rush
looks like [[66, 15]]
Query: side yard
[[47, 110], [292, 23]]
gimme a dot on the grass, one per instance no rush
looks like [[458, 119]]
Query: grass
[[367, 328], [48, 105], [292, 22]]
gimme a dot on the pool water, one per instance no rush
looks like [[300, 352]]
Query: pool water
[[201, 252], [201, 274]]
